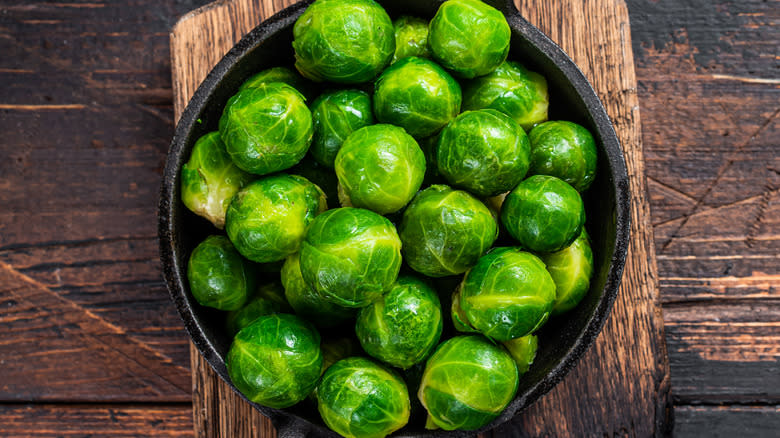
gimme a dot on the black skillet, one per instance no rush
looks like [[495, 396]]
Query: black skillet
[[563, 340]]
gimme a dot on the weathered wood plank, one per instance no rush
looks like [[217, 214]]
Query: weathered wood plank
[[55, 421], [727, 421], [725, 352]]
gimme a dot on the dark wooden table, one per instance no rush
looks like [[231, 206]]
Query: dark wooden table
[[91, 345]]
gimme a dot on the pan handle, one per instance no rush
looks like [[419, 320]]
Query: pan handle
[[506, 6]]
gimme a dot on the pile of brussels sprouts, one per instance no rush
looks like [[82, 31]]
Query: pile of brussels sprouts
[[361, 192]]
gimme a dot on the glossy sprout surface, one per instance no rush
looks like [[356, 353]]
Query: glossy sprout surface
[[267, 219], [543, 213], [571, 269], [276, 360], [337, 114], [467, 382], [565, 150], [417, 95], [358, 398], [380, 168], [484, 152], [344, 41], [508, 294], [512, 89], [523, 351], [411, 37], [267, 299], [351, 256], [306, 302], [468, 37], [210, 179], [280, 74], [266, 128], [218, 276], [445, 231], [403, 326]]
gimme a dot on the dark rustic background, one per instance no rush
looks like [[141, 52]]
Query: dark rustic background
[[90, 343]]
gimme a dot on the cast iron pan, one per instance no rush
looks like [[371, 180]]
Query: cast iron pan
[[562, 341]]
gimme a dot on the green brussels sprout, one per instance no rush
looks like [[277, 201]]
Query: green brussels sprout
[[417, 95], [459, 320], [543, 213], [280, 74], [467, 382], [565, 150], [358, 398], [484, 152], [210, 179], [512, 89], [523, 351], [351, 256], [380, 167], [571, 269], [335, 349], [469, 37], [266, 128], [403, 326], [344, 41], [507, 294], [276, 360], [268, 299], [219, 277], [445, 231], [411, 37], [267, 219], [336, 115], [306, 302], [320, 175]]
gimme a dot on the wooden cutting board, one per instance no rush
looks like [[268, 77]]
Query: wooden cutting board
[[621, 386]]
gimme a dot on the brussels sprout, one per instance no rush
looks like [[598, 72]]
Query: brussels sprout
[[280, 74], [469, 37], [336, 115], [467, 383], [507, 294], [571, 269], [417, 95], [380, 167], [267, 219], [444, 231], [358, 398], [403, 326], [565, 150], [219, 277], [484, 152], [266, 128], [351, 256], [335, 349], [411, 37], [512, 89], [320, 175], [268, 299], [345, 41], [459, 320], [276, 360], [210, 179], [306, 301], [543, 213], [523, 351]]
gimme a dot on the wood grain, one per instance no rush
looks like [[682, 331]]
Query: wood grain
[[622, 384], [109, 420]]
